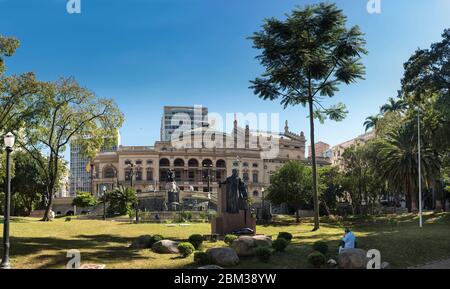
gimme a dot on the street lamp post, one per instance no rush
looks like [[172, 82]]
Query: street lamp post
[[9, 140], [104, 202], [208, 171], [132, 172], [420, 173]]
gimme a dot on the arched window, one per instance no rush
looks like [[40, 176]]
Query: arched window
[[245, 165], [127, 175], [255, 177], [164, 163], [255, 193], [207, 163], [245, 177], [138, 174], [109, 173], [127, 162], [178, 163], [193, 163], [221, 164], [138, 162]]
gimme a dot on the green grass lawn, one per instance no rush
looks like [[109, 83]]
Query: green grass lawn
[[35, 244]]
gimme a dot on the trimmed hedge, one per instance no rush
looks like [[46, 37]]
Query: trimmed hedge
[[321, 247], [201, 258], [228, 239], [263, 254], [280, 244], [196, 240], [316, 259], [155, 238], [285, 235], [186, 249]]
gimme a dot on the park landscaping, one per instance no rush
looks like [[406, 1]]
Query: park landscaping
[[36, 244]]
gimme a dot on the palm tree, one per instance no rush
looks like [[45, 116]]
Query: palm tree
[[398, 160], [371, 121], [393, 105]]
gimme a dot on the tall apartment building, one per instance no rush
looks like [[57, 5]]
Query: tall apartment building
[[182, 118], [80, 175]]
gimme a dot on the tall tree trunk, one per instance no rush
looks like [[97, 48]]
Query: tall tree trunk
[[314, 166], [413, 198], [297, 216], [439, 193], [48, 205]]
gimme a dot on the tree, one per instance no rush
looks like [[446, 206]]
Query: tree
[[292, 185], [371, 122], [67, 112], [426, 84], [393, 105], [306, 57], [28, 182], [8, 46], [84, 200], [331, 180], [399, 162], [16, 91], [121, 201]]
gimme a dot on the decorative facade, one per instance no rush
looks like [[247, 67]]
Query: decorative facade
[[198, 165]]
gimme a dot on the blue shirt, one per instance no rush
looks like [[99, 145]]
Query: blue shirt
[[349, 240]]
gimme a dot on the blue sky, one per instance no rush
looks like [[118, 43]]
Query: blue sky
[[149, 53]]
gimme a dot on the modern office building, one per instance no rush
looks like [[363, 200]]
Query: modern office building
[[182, 118], [80, 167]]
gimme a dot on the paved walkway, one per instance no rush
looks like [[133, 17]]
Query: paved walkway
[[444, 264]]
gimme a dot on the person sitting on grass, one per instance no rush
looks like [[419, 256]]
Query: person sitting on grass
[[348, 242]]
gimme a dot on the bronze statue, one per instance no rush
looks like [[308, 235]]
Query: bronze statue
[[170, 176], [236, 194]]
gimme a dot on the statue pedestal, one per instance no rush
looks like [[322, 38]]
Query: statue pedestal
[[225, 223]]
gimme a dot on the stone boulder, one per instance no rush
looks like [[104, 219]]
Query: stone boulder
[[245, 246], [165, 247], [141, 242], [262, 241], [223, 256], [210, 267], [353, 259]]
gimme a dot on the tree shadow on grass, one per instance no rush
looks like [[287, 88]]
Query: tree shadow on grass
[[93, 248]]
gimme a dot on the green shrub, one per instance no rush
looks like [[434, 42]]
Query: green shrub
[[321, 247], [280, 244], [263, 254], [228, 239], [186, 249], [155, 238], [316, 259], [196, 240], [201, 258], [285, 235]]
